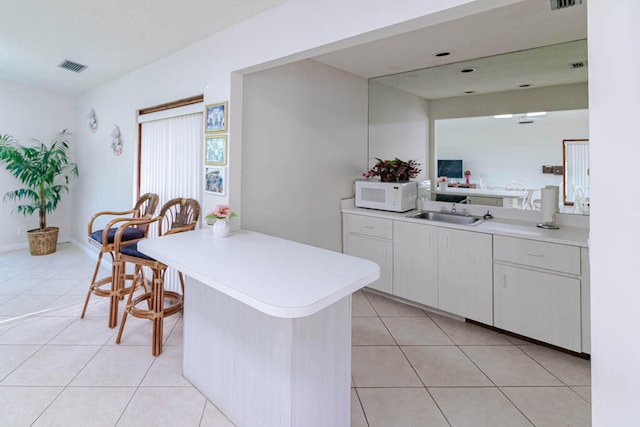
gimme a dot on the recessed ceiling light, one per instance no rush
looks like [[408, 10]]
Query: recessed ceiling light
[[525, 85], [470, 91], [440, 54], [467, 70], [503, 116]]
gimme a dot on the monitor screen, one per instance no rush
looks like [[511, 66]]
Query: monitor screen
[[450, 168]]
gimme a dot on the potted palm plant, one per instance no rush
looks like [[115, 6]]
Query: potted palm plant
[[44, 171]]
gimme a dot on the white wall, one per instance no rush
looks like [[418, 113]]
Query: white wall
[[398, 126], [304, 143], [614, 99], [499, 151], [295, 30], [28, 113]]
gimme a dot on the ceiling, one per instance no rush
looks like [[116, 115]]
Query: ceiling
[[480, 41], [112, 37], [558, 64]]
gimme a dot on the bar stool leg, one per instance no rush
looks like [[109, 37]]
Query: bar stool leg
[[91, 285], [157, 293], [116, 285]]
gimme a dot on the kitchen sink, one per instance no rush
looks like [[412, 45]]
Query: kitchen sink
[[451, 218]]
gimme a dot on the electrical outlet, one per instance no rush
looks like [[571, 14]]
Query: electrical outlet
[[547, 169], [21, 231]]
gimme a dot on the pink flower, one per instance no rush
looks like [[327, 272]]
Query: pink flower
[[221, 212]]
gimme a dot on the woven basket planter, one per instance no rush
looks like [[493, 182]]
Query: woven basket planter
[[43, 242]]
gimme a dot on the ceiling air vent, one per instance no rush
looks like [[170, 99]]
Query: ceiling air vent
[[72, 66], [561, 4], [578, 65]]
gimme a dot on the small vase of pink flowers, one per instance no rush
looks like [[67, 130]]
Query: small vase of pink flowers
[[221, 214]]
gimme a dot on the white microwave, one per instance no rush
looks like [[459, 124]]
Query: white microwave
[[387, 196]]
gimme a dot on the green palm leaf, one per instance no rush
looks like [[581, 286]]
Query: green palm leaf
[[44, 171]]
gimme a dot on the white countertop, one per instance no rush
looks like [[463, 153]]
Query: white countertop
[[275, 276], [484, 193], [566, 235]]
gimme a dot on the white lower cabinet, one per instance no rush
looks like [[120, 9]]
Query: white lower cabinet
[[465, 274], [444, 268], [538, 305], [370, 238], [415, 264], [533, 288], [537, 290]]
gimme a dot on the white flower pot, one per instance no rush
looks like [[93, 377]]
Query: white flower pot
[[221, 228]]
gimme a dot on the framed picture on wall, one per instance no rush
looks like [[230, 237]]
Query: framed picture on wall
[[215, 150], [216, 117], [215, 181]]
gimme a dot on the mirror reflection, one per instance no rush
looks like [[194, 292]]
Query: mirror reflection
[[523, 107], [576, 187], [507, 159]]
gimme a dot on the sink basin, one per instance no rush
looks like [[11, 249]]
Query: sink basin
[[451, 218]]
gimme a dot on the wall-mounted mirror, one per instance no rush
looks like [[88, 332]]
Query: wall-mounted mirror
[[503, 153], [446, 113]]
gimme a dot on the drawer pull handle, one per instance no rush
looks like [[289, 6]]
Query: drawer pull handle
[[538, 254]]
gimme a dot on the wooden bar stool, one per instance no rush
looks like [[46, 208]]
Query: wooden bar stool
[[104, 238], [176, 216]]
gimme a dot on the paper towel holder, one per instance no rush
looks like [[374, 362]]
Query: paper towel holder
[[549, 196]]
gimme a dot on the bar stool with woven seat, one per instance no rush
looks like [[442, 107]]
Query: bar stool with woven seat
[[145, 207], [176, 216]]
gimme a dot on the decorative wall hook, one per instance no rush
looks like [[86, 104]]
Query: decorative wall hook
[[116, 142], [93, 121]]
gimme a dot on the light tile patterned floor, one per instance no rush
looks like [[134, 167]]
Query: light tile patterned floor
[[409, 367]]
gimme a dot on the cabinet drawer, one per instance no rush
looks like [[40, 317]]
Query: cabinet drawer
[[369, 226], [551, 256]]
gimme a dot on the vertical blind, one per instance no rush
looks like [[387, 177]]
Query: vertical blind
[[577, 158], [170, 164]]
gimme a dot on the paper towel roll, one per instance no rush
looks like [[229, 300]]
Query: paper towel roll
[[549, 205], [557, 190]]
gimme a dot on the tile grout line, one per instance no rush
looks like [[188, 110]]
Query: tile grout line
[[495, 386], [412, 368]]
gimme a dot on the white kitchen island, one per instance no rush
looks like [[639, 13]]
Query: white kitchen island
[[267, 325]]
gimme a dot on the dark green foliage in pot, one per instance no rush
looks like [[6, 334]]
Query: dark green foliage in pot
[[44, 171]]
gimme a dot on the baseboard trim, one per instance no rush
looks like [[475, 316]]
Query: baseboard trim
[[91, 252]]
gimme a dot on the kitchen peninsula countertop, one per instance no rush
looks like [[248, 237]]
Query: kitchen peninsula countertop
[[567, 235], [276, 276]]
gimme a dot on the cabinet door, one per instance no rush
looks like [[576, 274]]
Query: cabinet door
[[465, 274], [539, 305], [379, 251], [415, 262]]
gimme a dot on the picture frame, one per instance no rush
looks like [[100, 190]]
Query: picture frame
[[215, 150], [216, 117], [215, 180]]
